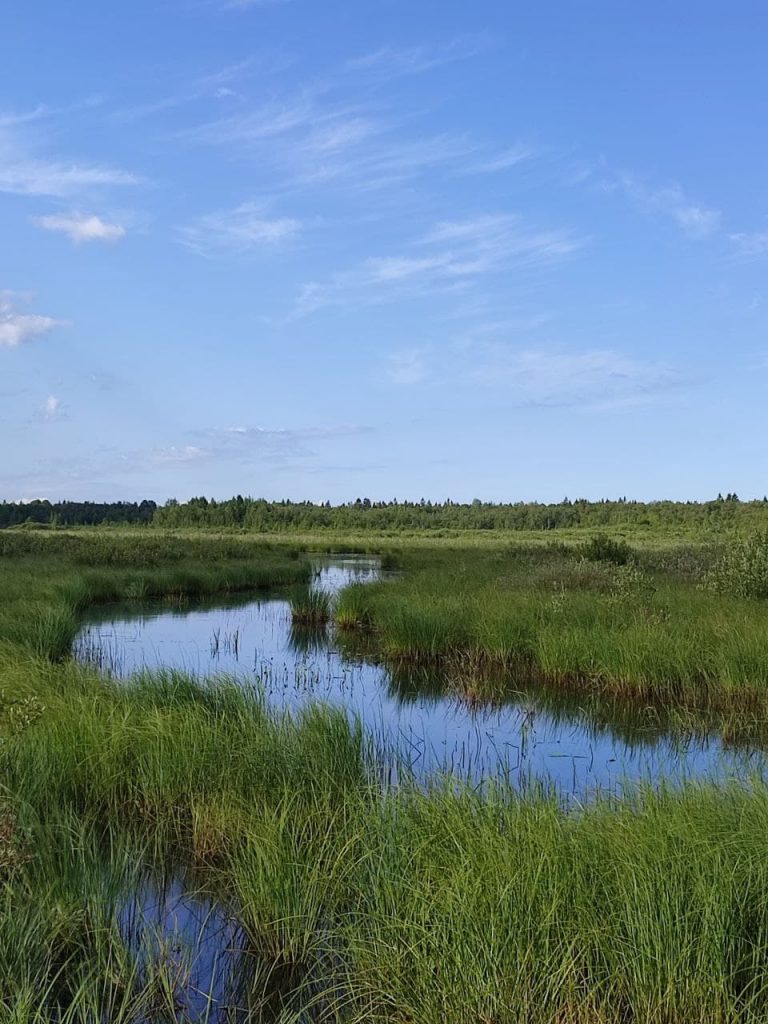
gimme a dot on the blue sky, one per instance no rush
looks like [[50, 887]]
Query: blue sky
[[383, 248]]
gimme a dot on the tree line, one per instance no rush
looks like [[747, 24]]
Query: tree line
[[76, 513], [260, 515]]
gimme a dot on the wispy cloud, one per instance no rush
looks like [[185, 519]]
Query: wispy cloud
[[264, 122], [225, 83], [23, 171], [311, 141], [245, 443], [750, 244], [394, 62], [99, 469], [11, 120], [501, 161], [492, 239], [451, 254], [408, 367], [246, 228], [182, 453], [50, 178], [540, 377], [82, 227], [17, 328], [696, 221], [386, 161]]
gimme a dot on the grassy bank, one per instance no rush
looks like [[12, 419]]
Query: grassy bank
[[49, 578], [630, 624]]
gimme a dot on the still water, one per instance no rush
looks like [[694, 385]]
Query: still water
[[529, 739]]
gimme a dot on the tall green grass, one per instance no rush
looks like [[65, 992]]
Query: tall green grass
[[429, 904]]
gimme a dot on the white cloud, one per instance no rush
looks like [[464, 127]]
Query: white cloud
[[245, 228], [52, 409], [82, 228], [17, 328], [696, 221], [751, 244], [59, 180]]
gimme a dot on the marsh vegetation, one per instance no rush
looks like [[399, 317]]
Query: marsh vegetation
[[333, 895]]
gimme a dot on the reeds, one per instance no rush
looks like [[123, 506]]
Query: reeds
[[311, 608]]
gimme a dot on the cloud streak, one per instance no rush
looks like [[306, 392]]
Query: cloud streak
[[696, 221], [312, 141], [452, 254], [395, 62], [24, 172], [81, 228], [245, 228]]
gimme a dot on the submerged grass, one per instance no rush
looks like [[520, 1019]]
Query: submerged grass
[[422, 904]]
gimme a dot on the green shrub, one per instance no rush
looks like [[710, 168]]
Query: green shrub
[[743, 568], [604, 549]]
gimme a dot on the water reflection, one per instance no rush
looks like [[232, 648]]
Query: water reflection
[[537, 735], [197, 964]]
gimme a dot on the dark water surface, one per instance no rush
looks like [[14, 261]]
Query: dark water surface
[[529, 739]]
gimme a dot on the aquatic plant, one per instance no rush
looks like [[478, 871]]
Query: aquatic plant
[[311, 608]]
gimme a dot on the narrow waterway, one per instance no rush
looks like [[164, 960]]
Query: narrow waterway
[[530, 739]]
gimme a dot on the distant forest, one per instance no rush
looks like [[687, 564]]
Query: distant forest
[[363, 514], [76, 513]]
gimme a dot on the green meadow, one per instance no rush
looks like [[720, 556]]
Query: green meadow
[[430, 902]]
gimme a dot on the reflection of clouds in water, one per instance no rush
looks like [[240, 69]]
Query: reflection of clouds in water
[[537, 737]]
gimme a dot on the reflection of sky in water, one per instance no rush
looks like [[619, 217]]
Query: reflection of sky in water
[[523, 740], [190, 941]]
